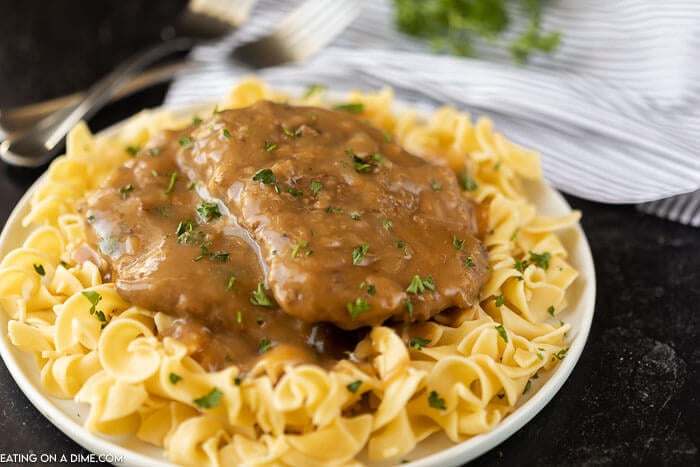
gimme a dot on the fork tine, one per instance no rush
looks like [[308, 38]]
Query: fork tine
[[302, 33], [322, 29]]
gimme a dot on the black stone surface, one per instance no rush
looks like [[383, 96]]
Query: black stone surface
[[632, 399]]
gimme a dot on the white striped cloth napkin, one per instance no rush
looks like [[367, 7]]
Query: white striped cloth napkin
[[615, 111]]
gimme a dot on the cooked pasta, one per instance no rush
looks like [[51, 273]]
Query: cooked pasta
[[461, 372]]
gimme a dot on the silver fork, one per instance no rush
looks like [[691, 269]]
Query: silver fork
[[302, 33]]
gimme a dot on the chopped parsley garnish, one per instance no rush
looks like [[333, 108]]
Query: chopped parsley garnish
[[467, 182], [292, 134], [418, 343], [387, 137], [265, 345], [514, 234], [196, 120], [185, 141], [39, 268], [331, 209], [401, 244], [560, 355], [294, 192], [237, 380], [208, 211], [371, 290], [133, 150], [186, 234], [550, 310], [435, 401], [269, 147], [226, 133], [174, 378], [216, 110], [300, 244], [316, 187], [409, 307], [352, 107], [313, 89], [520, 265], [541, 260], [220, 256], [358, 253], [209, 401], [231, 282], [500, 300], [360, 165], [93, 297], [357, 307], [469, 262], [123, 191], [457, 243], [435, 186], [259, 297], [502, 332], [171, 185], [418, 285], [265, 175], [239, 317], [192, 186], [355, 215], [90, 219], [154, 151], [100, 316], [387, 224], [528, 385], [354, 386]]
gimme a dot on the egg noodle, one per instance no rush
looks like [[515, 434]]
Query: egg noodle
[[460, 373]]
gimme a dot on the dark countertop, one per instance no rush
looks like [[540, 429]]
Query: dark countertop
[[633, 397]]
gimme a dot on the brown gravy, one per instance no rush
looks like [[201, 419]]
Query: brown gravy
[[285, 228]]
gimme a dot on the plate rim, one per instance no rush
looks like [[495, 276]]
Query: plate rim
[[457, 454]]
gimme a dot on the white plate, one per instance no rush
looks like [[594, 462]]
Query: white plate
[[437, 450]]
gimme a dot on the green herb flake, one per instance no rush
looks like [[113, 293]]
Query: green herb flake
[[210, 400], [458, 244], [502, 332], [171, 185], [435, 401], [435, 186], [313, 89], [401, 244], [351, 107], [358, 253], [185, 141], [541, 260], [174, 378], [550, 310], [371, 290], [357, 307], [294, 192], [560, 355], [500, 300], [231, 282], [221, 256], [292, 134], [316, 186], [528, 385], [133, 150], [239, 317], [331, 209], [259, 297], [226, 133], [467, 182], [39, 268], [126, 189], [265, 345], [93, 297], [237, 380], [354, 386], [416, 285], [269, 147], [387, 136], [154, 151], [90, 219], [192, 186], [300, 244], [265, 175], [408, 305], [387, 224], [469, 262], [520, 265], [418, 343], [208, 211], [514, 234]]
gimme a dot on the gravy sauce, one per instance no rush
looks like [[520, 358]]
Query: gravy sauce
[[285, 229]]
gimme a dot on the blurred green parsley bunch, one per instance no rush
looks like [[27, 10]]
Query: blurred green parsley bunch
[[452, 25]]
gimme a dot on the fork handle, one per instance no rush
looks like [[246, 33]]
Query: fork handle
[[37, 145], [16, 119]]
